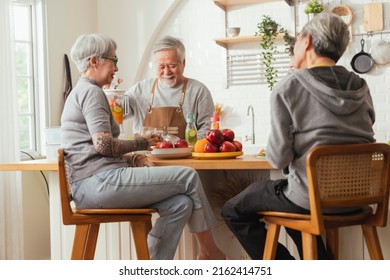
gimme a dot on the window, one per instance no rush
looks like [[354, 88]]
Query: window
[[28, 41]]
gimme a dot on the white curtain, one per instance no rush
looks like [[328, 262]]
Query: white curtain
[[11, 234]]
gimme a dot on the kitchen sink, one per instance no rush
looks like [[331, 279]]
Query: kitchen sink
[[252, 149]]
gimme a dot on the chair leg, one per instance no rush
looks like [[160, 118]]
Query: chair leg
[[84, 243], [90, 247], [148, 225], [140, 231], [271, 242], [372, 240], [309, 244], [332, 242]]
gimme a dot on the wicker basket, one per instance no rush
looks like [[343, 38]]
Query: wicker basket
[[344, 12]]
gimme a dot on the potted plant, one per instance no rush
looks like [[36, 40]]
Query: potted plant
[[313, 7], [269, 29]]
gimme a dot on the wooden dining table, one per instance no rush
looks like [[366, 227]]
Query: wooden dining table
[[113, 246], [30, 165], [247, 162]]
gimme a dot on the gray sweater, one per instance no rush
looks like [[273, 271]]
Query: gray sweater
[[197, 100], [310, 107], [87, 112]]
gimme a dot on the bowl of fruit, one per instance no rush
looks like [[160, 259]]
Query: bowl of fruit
[[218, 144], [169, 150]]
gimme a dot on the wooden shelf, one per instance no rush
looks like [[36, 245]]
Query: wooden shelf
[[224, 42], [226, 3]]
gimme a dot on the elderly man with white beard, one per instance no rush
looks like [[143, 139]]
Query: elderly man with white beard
[[164, 102]]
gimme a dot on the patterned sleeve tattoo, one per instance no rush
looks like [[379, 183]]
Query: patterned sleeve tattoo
[[109, 146]]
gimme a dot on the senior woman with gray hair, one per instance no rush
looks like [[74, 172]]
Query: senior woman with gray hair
[[98, 169], [316, 104]]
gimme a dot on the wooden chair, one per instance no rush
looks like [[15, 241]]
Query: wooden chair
[[88, 221], [339, 176]]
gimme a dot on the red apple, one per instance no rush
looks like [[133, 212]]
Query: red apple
[[210, 148], [238, 145], [215, 137], [165, 145], [227, 147], [228, 134], [181, 143]]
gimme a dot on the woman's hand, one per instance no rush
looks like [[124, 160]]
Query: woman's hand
[[134, 160], [152, 139], [143, 161], [108, 146]]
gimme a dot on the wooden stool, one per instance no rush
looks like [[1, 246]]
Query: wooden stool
[[339, 176], [88, 221]]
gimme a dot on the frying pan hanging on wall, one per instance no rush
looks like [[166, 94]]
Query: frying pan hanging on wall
[[362, 62]]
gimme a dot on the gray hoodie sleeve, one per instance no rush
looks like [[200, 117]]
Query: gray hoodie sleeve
[[280, 142]]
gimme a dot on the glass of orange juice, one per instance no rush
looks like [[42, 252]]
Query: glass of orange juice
[[116, 110], [117, 101]]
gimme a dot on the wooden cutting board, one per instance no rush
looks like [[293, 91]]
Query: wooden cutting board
[[373, 17]]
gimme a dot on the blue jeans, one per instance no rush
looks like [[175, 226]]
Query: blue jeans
[[176, 192]]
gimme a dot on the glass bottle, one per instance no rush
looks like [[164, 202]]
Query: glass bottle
[[215, 121], [191, 133]]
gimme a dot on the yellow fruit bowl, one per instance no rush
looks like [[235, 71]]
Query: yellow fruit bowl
[[219, 155]]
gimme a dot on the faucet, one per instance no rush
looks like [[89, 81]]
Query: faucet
[[250, 112]]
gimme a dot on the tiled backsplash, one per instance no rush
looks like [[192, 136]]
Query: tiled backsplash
[[199, 22]]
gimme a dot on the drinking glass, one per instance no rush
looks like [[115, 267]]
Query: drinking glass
[[118, 105]]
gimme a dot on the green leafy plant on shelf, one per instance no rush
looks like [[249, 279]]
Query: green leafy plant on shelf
[[313, 7], [269, 30]]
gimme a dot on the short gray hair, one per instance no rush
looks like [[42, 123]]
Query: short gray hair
[[170, 43], [89, 45], [330, 35]]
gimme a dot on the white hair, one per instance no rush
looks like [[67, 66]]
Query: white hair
[[90, 45], [170, 43]]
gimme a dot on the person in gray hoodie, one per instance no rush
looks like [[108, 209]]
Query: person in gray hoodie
[[317, 103]]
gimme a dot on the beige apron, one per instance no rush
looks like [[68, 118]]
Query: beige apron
[[168, 119]]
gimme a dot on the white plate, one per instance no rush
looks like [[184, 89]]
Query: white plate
[[171, 156], [172, 152], [168, 151]]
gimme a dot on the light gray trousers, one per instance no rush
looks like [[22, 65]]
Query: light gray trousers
[[175, 191]]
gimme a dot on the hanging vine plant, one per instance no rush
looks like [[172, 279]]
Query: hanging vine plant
[[269, 30]]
